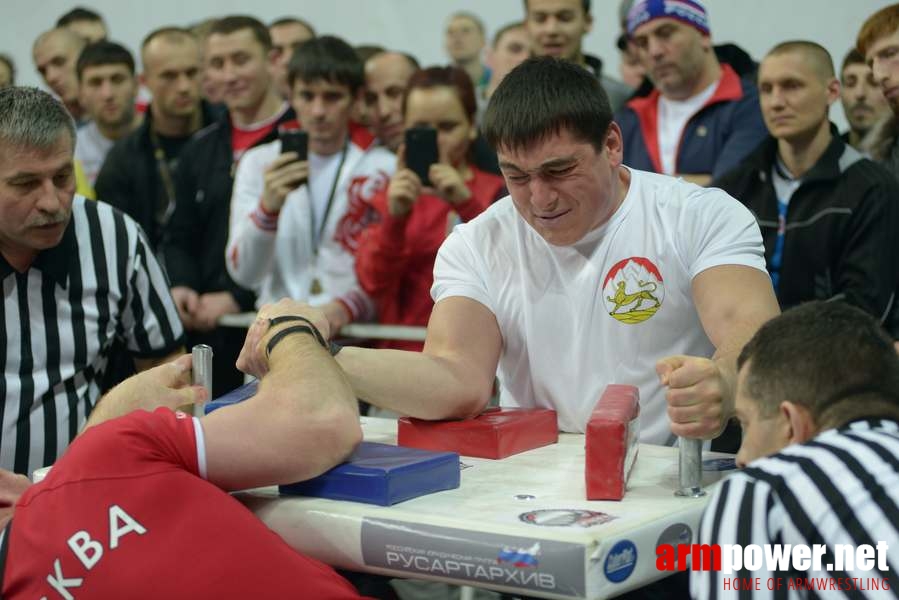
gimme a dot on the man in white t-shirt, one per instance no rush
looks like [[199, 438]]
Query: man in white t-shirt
[[589, 273], [702, 116]]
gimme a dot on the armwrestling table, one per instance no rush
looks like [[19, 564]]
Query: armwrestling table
[[518, 525]]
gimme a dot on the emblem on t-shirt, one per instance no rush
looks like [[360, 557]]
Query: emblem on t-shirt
[[633, 290]]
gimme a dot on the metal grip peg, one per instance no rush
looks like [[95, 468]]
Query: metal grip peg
[[201, 355], [689, 468]]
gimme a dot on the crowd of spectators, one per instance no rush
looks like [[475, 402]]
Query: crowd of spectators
[[245, 162]]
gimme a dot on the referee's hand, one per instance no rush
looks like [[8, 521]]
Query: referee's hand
[[12, 485], [167, 385]]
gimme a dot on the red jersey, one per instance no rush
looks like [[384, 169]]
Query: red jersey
[[125, 514], [244, 138], [395, 257]]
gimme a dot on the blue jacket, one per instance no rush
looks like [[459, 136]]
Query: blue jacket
[[724, 131]]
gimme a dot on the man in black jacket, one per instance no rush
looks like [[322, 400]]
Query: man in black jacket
[[238, 58], [138, 176], [828, 215]]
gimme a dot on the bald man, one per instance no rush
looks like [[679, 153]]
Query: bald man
[[138, 174], [828, 215], [386, 77], [55, 54]]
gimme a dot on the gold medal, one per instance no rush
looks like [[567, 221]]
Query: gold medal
[[316, 287]]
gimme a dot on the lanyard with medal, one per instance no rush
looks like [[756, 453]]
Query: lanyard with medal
[[315, 237]]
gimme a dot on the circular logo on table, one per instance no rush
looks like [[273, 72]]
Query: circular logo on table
[[633, 290], [620, 561], [676, 534], [564, 517]]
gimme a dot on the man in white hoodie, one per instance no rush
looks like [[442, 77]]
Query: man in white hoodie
[[295, 223]]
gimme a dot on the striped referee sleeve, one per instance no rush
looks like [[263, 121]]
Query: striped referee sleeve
[[841, 488], [152, 327], [742, 511]]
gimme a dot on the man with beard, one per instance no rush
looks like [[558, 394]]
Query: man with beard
[[863, 101], [878, 42], [107, 89], [702, 117]]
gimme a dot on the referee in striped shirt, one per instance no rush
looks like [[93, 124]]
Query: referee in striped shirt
[[818, 399], [76, 275]]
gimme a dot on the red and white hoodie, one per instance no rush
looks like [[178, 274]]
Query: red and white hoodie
[[273, 254]]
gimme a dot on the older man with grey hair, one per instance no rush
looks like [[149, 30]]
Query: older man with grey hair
[[77, 276]]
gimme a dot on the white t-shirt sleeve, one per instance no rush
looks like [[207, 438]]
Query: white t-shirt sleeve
[[458, 271], [715, 230], [201, 447]]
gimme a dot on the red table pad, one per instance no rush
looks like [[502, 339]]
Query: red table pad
[[495, 433], [612, 440]]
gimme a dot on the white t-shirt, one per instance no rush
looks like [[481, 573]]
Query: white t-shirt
[[561, 344], [91, 148], [673, 117], [322, 172]]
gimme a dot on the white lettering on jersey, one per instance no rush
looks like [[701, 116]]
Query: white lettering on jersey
[[87, 550], [116, 515], [60, 583]]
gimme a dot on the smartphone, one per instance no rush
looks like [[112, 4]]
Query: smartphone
[[421, 151], [295, 140]]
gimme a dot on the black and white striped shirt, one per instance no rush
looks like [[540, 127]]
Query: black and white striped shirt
[[841, 487], [59, 320]]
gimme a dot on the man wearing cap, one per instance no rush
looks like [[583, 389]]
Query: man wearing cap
[[701, 118]]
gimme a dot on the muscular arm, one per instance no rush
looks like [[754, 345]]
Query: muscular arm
[[303, 421], [452, 377], [732, 301]]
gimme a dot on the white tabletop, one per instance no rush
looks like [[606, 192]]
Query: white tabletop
[[531, 503]]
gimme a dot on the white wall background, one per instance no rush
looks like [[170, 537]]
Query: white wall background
[[416, 25]]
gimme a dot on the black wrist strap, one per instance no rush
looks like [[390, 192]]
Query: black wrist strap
[[313, 329], [284, 333], [331, 346]]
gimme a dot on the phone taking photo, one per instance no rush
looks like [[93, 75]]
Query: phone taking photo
[[295, 140], [421, 151]]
